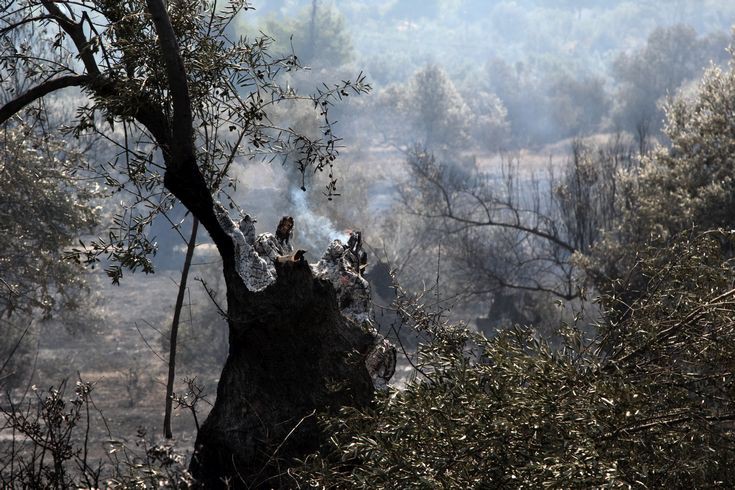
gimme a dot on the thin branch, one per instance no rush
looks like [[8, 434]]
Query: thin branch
[[147, 344], [15, 347], [211, 295]]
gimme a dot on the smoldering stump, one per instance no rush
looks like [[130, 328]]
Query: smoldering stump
[[271, 390]]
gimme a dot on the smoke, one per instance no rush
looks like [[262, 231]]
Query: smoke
[[313, 231]]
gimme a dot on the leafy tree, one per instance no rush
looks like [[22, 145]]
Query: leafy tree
[[40, 178], [437, 109], [170, 79], [432, 107], [43, 210], [646, 403], [671, 56], [685, 186], [691, 182]]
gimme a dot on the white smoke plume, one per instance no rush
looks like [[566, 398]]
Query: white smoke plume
[[313, 232]]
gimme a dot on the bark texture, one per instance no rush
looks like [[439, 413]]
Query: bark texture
[[292, 355]]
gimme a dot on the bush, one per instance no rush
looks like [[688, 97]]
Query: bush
[[50, 447], [645, 403]]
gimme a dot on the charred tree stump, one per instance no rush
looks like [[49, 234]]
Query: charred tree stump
[[293, 355]]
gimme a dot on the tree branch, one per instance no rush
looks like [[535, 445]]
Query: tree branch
[[76, 33], [182, 114], [183, 177], [45, 88], [27, 20]]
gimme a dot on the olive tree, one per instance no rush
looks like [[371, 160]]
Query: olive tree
[[687, 185], [646, 402], [169, 77]]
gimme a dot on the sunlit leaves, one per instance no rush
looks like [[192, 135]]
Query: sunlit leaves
[[43, 209], [646, 404]]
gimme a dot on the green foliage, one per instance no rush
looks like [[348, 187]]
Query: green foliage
[[647, 403], [43, 210]]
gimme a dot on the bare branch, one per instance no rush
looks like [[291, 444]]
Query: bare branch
[[45, 88]]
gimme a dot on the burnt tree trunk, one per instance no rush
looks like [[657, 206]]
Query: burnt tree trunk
[[292, 352], [292, 355]]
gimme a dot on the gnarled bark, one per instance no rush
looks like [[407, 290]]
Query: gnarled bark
[[292, 355]]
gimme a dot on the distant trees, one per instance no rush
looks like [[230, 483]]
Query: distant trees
[[671, 56], [431, 111], [577, 103], [558, 232], [317, 35], [545, 104]]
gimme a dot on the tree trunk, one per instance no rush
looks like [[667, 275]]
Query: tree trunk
[[292, 356], [292, 353]]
